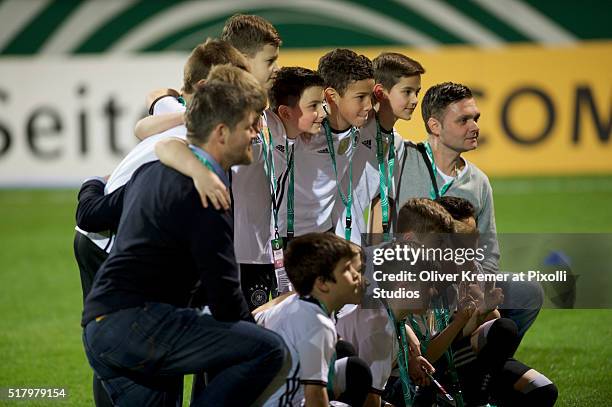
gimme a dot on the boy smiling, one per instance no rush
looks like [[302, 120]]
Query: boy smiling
[[322, 161]]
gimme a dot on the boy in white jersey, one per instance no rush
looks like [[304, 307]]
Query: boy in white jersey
[[397, 85], [324, 159], [325, 271], [259, 41], [295, 115]]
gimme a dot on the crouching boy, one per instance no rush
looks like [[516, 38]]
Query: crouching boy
[[325, 271]]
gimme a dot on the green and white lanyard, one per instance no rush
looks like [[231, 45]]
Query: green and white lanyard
[[423, 338], [441, 317], [282, 281], [270, 171], [290, 158], [386, 175], [268, 153], [433, 194], [202, 159], [347, 199], [402, 355]]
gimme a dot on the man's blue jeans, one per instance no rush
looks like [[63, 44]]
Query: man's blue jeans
[[522, 303], [141, 355]]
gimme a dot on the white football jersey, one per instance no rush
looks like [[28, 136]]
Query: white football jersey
[[315, 187], [143, 153], [252, 208], [371, 332], [366, 179], [311, 336]]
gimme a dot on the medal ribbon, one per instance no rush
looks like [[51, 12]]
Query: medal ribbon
[[433, 194], [402, 355], [386, 175], [347, 199]]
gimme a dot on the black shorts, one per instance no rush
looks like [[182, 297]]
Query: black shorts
[[258, 283], [502, 386], [477, 384], [89, 258]]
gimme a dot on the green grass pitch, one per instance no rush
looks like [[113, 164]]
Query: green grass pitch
[[40, 293]]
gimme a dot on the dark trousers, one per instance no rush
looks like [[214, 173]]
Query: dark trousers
[[522, 303], [89, 258], [491, 375], [141, 355], [352, 379]]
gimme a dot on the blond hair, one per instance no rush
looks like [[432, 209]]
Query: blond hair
[[205, 56]]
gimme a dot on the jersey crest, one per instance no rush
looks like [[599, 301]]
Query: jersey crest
[[259, 295], [344, 145]]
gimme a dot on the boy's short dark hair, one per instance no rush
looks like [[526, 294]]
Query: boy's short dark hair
[[390, 67], [314, 255], [438, 97], [340, 67], [250, 33], [422, 215], [458, 208], [205, 56], [289, 85], [226, 98]]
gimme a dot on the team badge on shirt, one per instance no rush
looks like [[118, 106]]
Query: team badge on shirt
[[259, 294], [344, 145]]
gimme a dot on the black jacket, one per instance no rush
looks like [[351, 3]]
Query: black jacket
[[167, 244]]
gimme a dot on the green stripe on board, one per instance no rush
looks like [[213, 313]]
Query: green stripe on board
[[306, 29], [176, 40], [106, 36], [330, 36], [587, 19], [406, 16], [303, 30], [33, 36], [488, 21]]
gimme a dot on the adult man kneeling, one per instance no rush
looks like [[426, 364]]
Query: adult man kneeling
[[142, 332]]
